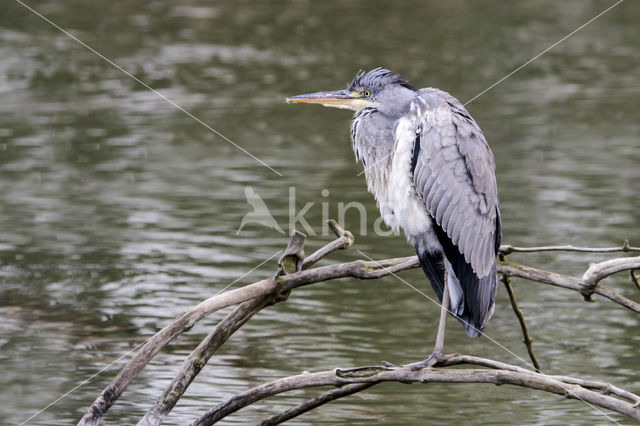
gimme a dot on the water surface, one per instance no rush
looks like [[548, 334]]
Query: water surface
[[118, 211]]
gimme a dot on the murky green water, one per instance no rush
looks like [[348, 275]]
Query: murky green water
[[118, 211]]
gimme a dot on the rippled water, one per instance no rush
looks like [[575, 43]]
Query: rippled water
[[118, 211]]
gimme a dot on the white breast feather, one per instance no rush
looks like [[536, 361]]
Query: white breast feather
[[409, 212]]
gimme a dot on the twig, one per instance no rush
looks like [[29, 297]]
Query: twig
[[508, 249], [520, 315], [345, 240], [310, 404], [567, 387]]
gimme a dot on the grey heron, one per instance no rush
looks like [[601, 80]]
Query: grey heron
[[432, 174]]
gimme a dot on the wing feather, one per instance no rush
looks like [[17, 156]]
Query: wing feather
[[435, 197], [456, 227], [445, 201], [454, 176], [449, 213]]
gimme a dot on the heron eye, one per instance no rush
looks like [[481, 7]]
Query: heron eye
[[366, 93]]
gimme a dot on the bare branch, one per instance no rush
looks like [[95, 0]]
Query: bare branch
[[602, 387], [289, 262], [310, 404], [185, 322], [508, 249], [541, 276], [615, 297], [345, 239], [566, 386], [199, 357], [182, 323], [601, 270], [568, 282], [607, 388]]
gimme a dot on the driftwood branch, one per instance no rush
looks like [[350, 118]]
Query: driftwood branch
[[295, 271], [316, 402], [599, 271], [587, 287], [595, 393], [181, 324], [199, 358]]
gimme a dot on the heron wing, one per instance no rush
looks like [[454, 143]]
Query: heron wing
[[454, 176]]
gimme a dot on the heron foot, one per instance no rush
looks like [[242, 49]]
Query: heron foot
[[431, 361]]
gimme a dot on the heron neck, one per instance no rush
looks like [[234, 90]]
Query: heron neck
[[372, 137]]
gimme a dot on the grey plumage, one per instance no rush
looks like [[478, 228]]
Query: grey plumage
[[432, 174], [455, 158]]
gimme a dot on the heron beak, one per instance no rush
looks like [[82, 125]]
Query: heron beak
[[344, 99]]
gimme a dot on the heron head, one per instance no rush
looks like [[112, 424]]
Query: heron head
[[378, 88]]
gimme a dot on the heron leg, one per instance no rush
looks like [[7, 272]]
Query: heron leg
[[437, 356], [444, 310]]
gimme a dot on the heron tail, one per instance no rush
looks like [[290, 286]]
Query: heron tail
[[472, 298], [479, 301], [479, 293]]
